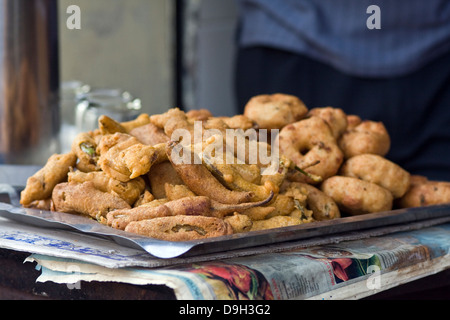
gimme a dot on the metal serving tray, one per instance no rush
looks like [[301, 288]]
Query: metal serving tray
[[166, 250]]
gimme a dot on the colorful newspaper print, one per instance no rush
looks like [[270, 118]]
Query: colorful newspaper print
[[317, 272], [305, 273]]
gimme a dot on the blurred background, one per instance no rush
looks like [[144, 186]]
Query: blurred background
[[166, 52], [128, 57], [147, 56]]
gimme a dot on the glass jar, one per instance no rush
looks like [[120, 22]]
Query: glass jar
[[72, 92], [114, 103]]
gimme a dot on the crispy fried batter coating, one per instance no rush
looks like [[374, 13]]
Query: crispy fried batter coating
[[239, 122], [381, 171], [424, 192], [283, 205], [309, 142], [202, 182], [356, 196], [130, 176], [334, 117], [140, 121], [275, 111], [250, 172], [145, 198], [186, 206], [150, 134], [129, 191], [161, 174], [181, 228], [287, 201], [172, 120], [84, 147], [275, 222], [303, 214], [322, 206], [416, 179], [352, 121], [179, 191], [108, 125], [240, 223], [41, 204], [367, 137], [229, 176], [85, 198], [259, 213], [41, 184], [124, 158], [199, 114]]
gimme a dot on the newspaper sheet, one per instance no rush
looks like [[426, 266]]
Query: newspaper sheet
[[70, 245], [347, 270]]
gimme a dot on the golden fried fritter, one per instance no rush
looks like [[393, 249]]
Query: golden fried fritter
[[150, 134], [424, 192], [108, 125], [140, 121], [322, 206], [181, 228], [356, 196], [129, 191], [159, 175], [199, 114], [275, 222], [310, 144], [144, 198], [124, 158], [41, 184], [85, 198], [334, 117], [367, 137], [275, 111], [84, 146], [239, 122], [202, 182], [381, 171], [240, 223], [179, 191], [352, 121]]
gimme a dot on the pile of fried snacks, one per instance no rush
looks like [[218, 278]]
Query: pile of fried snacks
[[129, 175]]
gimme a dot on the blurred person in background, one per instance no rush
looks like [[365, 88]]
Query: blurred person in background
[[390, 65]]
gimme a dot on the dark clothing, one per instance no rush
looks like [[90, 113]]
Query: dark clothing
[[415, 108], [336, 32]]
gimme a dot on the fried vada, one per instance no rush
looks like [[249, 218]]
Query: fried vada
[[356, 196], [366, 137], [310, 144], [275, 111], [424, 192], [381, 171], [334, 117]]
